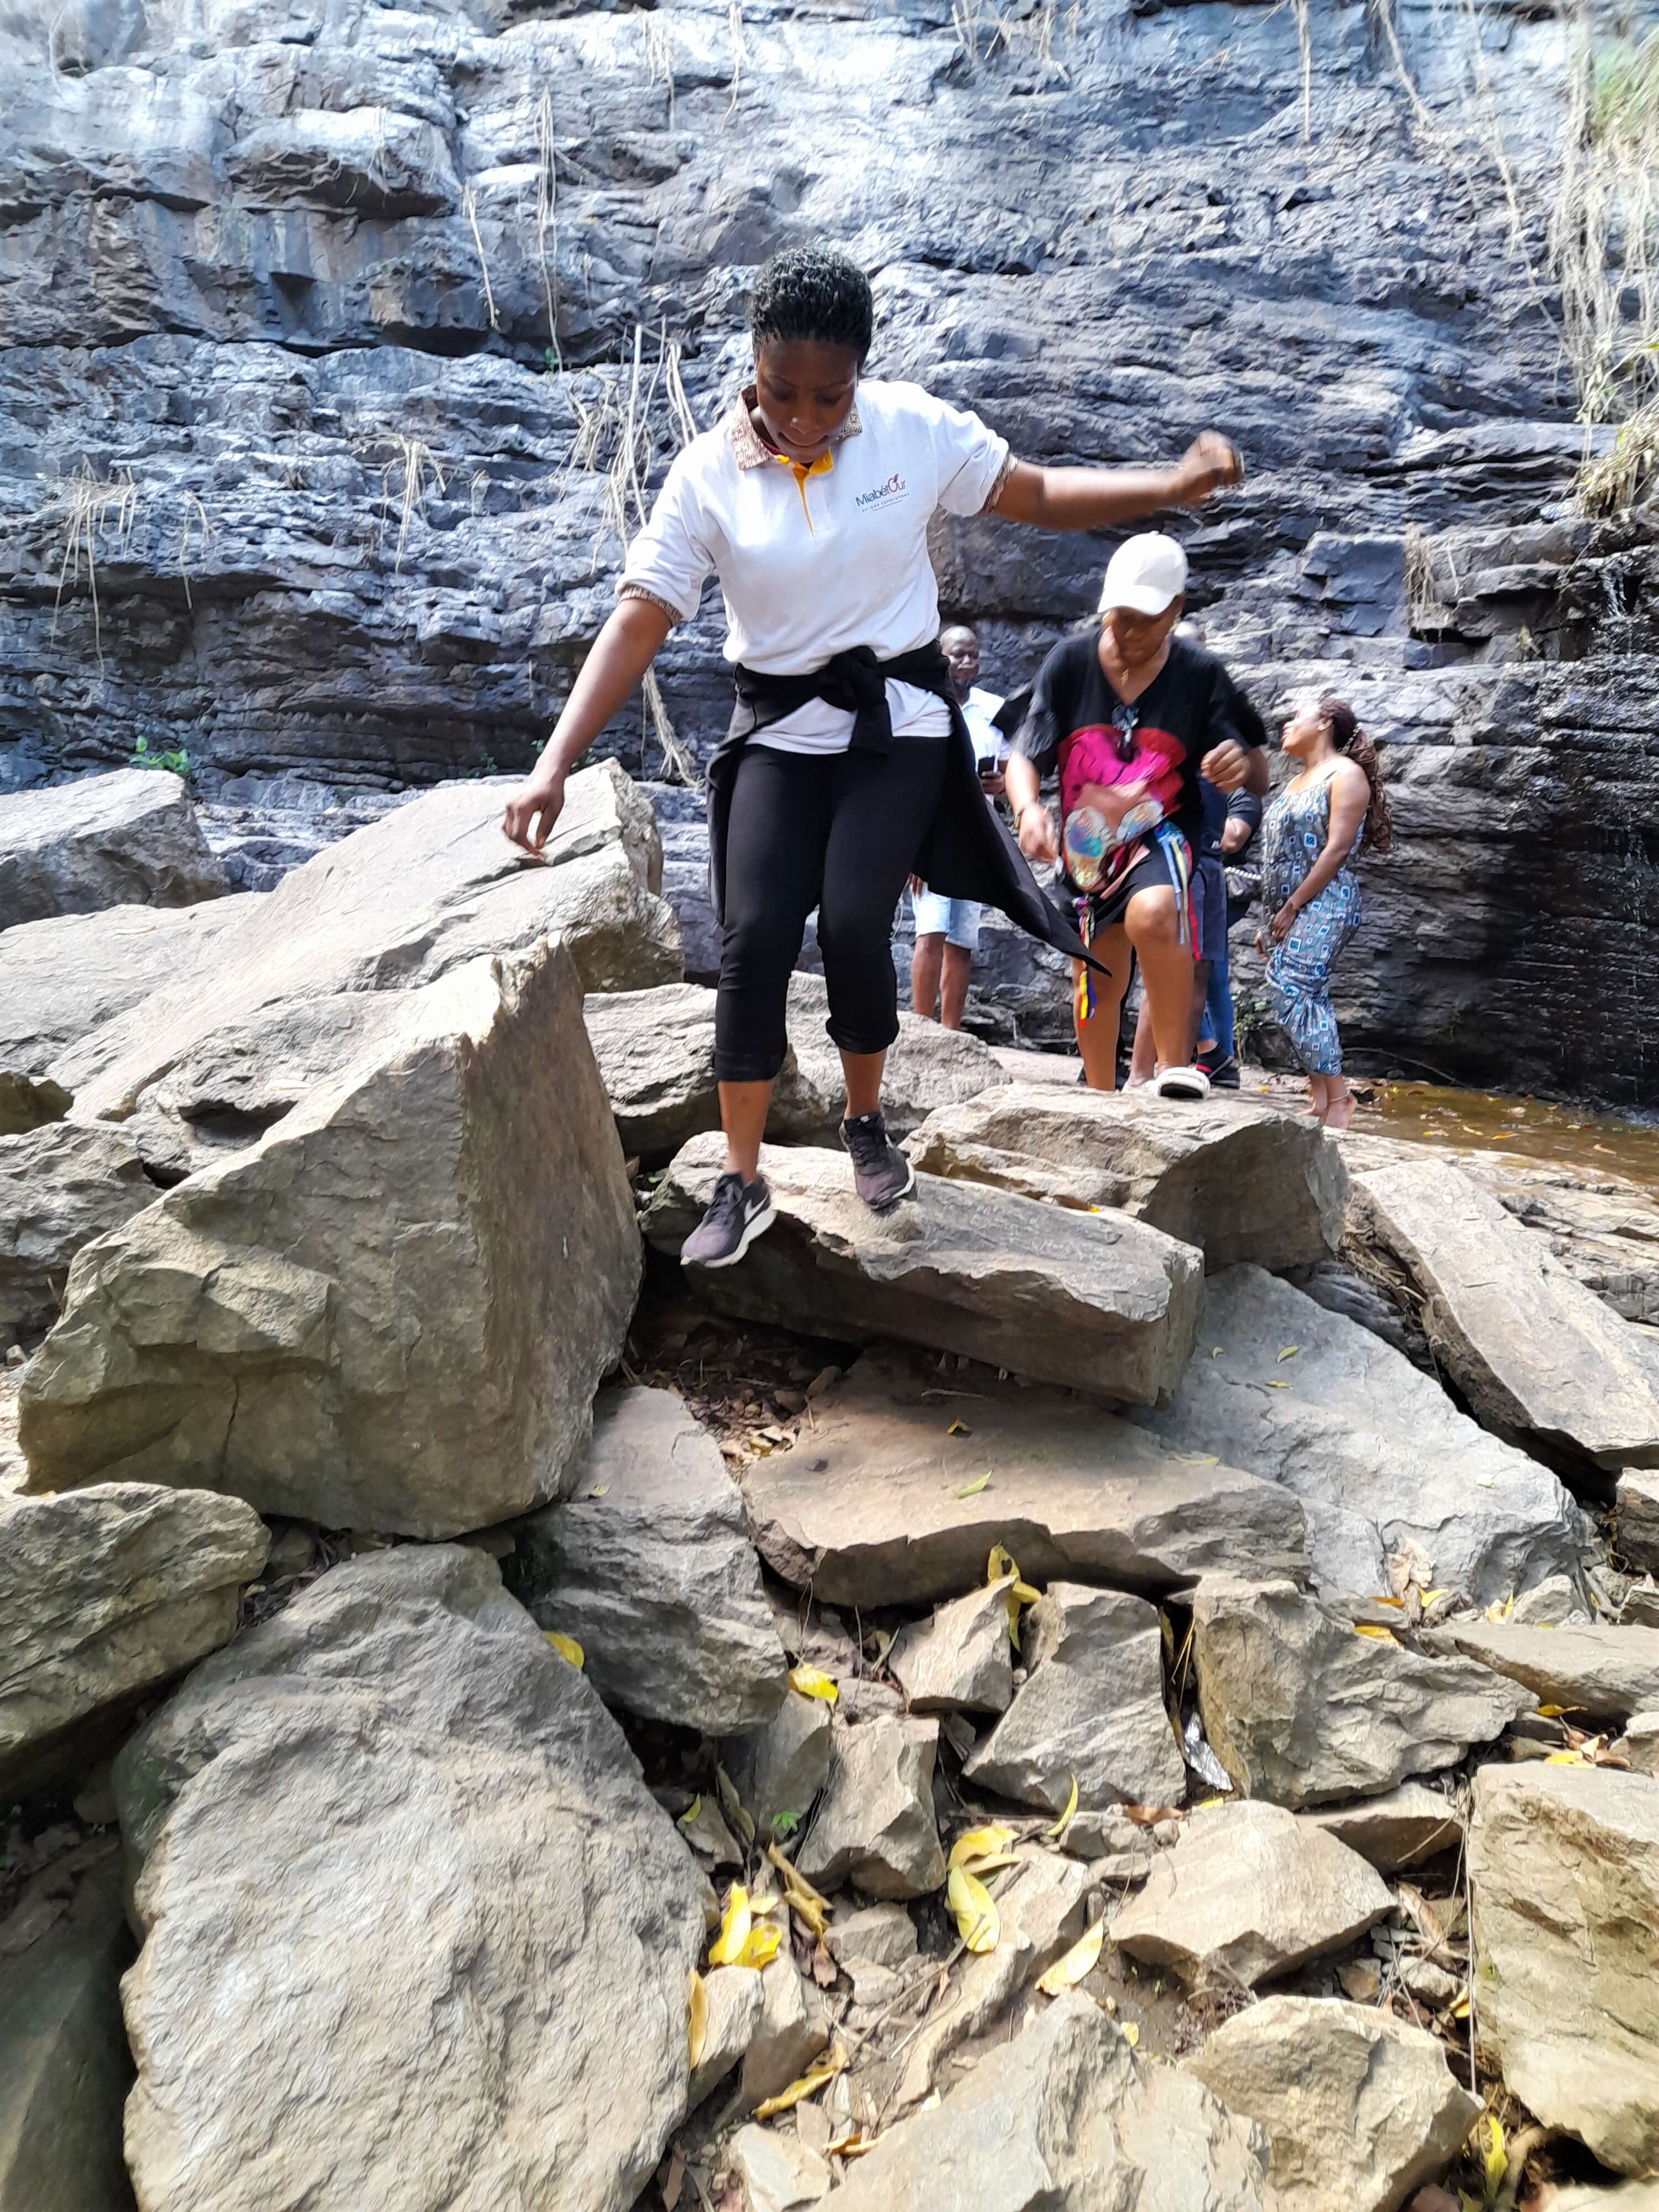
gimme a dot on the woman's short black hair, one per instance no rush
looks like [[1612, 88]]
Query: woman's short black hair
[[808, 292]]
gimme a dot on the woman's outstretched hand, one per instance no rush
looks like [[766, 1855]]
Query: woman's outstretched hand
[[533, 809], [1208, 463]]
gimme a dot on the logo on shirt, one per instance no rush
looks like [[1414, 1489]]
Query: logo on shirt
[[883, 495]]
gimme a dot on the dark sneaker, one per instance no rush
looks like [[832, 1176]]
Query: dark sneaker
[[737, 1213], [881, 1174], [1223, 1073]]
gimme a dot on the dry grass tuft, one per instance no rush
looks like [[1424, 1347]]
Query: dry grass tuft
[[417, 465], [88, 510], [1615, 481], [981, 27], [660, 58], [470, 209], [547, 217]]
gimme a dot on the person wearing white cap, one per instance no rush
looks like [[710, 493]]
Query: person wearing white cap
[[1130, 717]]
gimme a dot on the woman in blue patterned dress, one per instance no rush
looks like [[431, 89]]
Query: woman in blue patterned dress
[[1312, 839]]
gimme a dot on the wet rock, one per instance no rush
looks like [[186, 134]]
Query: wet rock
[[1300, 1708], [875, 1825], [868, 1509], [777, 2171], [649, 1566], [249, 1332], [927, 1068], [64, 2069], [735, 2002], [106, 1593], [403, 1752], [1065, 2116], [779, 1769], [1564, 1864], [1635, 1507], [1248, 1893], [1108, 1306], [1346, 1421], [1541, 1360], [398, 905], [961, 1659], [1361, 2109], [59, 1188], [1396, 1831], [1091, 1710], [1239, 1180], [791, 2030], [1595, 1674], [127, 839]]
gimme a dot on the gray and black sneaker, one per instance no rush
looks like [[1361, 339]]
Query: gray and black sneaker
[[881, 1174], [737, 1213]]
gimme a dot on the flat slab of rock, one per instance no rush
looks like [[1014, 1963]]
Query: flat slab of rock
[[1396, 1831], [400, 904], [649, 1566], [868, 1507], [1241, 1181], [1249, 1891], [106, 1593], [1090, 1710], [961, 1661], [128, 838], [875, 1824], [1360, 2108], [1564, 1864], [59, 1188], [1636, 1503], [1345, 1420], [64, 2068], [1300, 1708], [1102, 1304], [1542, 1361], [1067, 2118], [471, 1906], [393, 1310], [1595, 1674]]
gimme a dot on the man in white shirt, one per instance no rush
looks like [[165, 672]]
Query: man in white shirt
[[947, 929]]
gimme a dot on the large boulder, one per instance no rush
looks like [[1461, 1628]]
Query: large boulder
[[395, 1822], [64, 2069], [1564, 1866], [1307, 1398], [1105, 1305], [128, 838], [1542, 1361], [881, 1503], [1361, 2109], [1249, 1891], [1091, 1713], [390, 1312], [1240, 1180], [1300, 1708], [104, 1594], [1597, 1673], [649, 1566], [927, 1068], [1065, 2117], [399, 904], [59, 1188], [65, 978]]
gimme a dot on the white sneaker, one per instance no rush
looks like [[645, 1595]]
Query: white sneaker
[[1182, 1083]]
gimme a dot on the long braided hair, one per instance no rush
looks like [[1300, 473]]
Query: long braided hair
[[1348, 737]]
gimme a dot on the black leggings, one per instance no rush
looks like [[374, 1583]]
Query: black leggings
[[838, 831]]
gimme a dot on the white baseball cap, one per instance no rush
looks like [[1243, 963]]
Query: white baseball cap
[[1145, 574]]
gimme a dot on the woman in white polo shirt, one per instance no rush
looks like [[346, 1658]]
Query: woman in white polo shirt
[[847, 766]]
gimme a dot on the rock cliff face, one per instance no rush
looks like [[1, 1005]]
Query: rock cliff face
[[344, 341]]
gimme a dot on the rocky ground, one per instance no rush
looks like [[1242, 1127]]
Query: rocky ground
[[1136, 1675]]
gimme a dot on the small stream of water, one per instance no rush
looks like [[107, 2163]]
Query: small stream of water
[[1594, 1145]]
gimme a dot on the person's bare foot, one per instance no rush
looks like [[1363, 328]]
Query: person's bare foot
[[1339, 1112]]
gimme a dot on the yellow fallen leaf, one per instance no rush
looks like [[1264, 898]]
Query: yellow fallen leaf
[[691, 1812], [1215, 1352], [809, 2084], [959, 1429], [760, 1947], [1131, 2033], [852, 2145], [1557, 1712], [1204, 1803], [990, 1865], [795, 1881], [735, 1925], [1023, 1592], [600, 1490], [732, 1806], [813, 1682], [1430, 1596], [1001, 1563], [1566, 1759], [1067, 1972], [566, 1646], [696, 2033], [1198, 1459], [1460, 2009], [1064, 1822], [978, 1923], [1371, 1628], [973, 1489], [1279, 1386], [1290, 1351], [979, 1843], [1495, 2158]]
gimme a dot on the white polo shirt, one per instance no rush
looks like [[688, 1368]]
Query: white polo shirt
[[814, 562], [979, 711]]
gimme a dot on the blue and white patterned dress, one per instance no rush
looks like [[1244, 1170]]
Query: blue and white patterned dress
[[1293, 836]]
